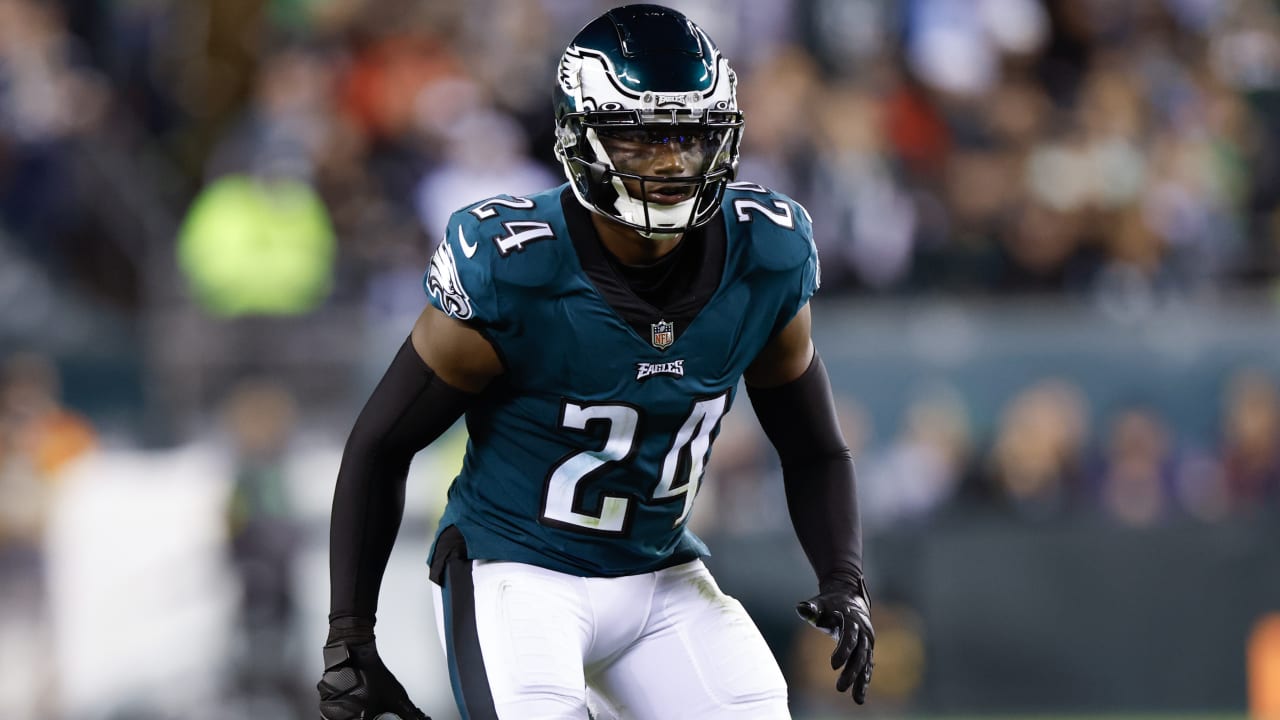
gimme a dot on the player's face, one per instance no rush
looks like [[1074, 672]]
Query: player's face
[[671, 152]]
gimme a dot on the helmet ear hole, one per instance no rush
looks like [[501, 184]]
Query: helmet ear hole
[[596, 172]]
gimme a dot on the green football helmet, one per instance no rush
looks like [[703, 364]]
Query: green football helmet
[[637, 83]]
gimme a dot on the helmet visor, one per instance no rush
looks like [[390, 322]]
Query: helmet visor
[[670, 151]]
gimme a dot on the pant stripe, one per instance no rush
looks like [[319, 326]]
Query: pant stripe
[[466, 661]]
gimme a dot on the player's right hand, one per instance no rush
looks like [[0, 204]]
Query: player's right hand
[[357, 686]]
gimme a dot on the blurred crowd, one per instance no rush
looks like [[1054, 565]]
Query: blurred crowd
[[291, 158], [1049, 458], [980, 146]]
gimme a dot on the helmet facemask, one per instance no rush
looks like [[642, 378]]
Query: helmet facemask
[[656, 178]]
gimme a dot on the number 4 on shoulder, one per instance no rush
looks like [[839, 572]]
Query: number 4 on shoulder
[[519, 232]]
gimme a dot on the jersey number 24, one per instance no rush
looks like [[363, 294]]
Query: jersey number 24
[[677, 478]]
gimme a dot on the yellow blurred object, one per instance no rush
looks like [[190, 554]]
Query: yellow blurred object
[[257, 246], [59, 438], [39, 437], [1264, 669], [900, 658]]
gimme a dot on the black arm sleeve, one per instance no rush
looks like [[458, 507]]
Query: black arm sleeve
[[408, 409], [817, 471]]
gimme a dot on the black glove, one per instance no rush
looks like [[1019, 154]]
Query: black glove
[[356, 685], [844, 613]]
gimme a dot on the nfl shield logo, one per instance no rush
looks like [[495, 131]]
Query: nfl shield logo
[[664, 333]]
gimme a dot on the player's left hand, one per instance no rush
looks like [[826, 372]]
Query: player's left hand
[[845, 614], [357, 685]]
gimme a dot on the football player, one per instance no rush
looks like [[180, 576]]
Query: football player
[[593, 335]]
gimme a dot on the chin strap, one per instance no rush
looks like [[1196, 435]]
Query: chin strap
[[660, 236]]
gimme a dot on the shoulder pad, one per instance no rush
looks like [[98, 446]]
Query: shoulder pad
[[778, 228], [522, 239], [494, 247]]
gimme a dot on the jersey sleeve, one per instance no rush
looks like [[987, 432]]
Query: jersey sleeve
[[459, 280], [807, 273], [497, 257], [782, 245], [810, 275]]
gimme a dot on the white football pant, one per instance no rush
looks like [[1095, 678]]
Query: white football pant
[[525, 643]]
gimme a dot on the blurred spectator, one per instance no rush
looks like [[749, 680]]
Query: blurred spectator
[[1145, 474], [485, 153], [778, 148], [505, 51], [849, 35], [39, 438], [921, 470], [48, 97], [404, 83], [1134, 483], [1251, 442], [258, 239], [258, 244], [42, 435], [290, 117], [1037, 458], [1244, 43], [264, 538], [955, 46], [868, 226]]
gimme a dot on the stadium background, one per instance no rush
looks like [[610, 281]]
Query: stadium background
[[1049, 234]]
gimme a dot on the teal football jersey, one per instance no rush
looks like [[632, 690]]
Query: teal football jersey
[[586, 456]]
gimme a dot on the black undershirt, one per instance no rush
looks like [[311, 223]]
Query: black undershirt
[[656, 283], [673, 289]]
